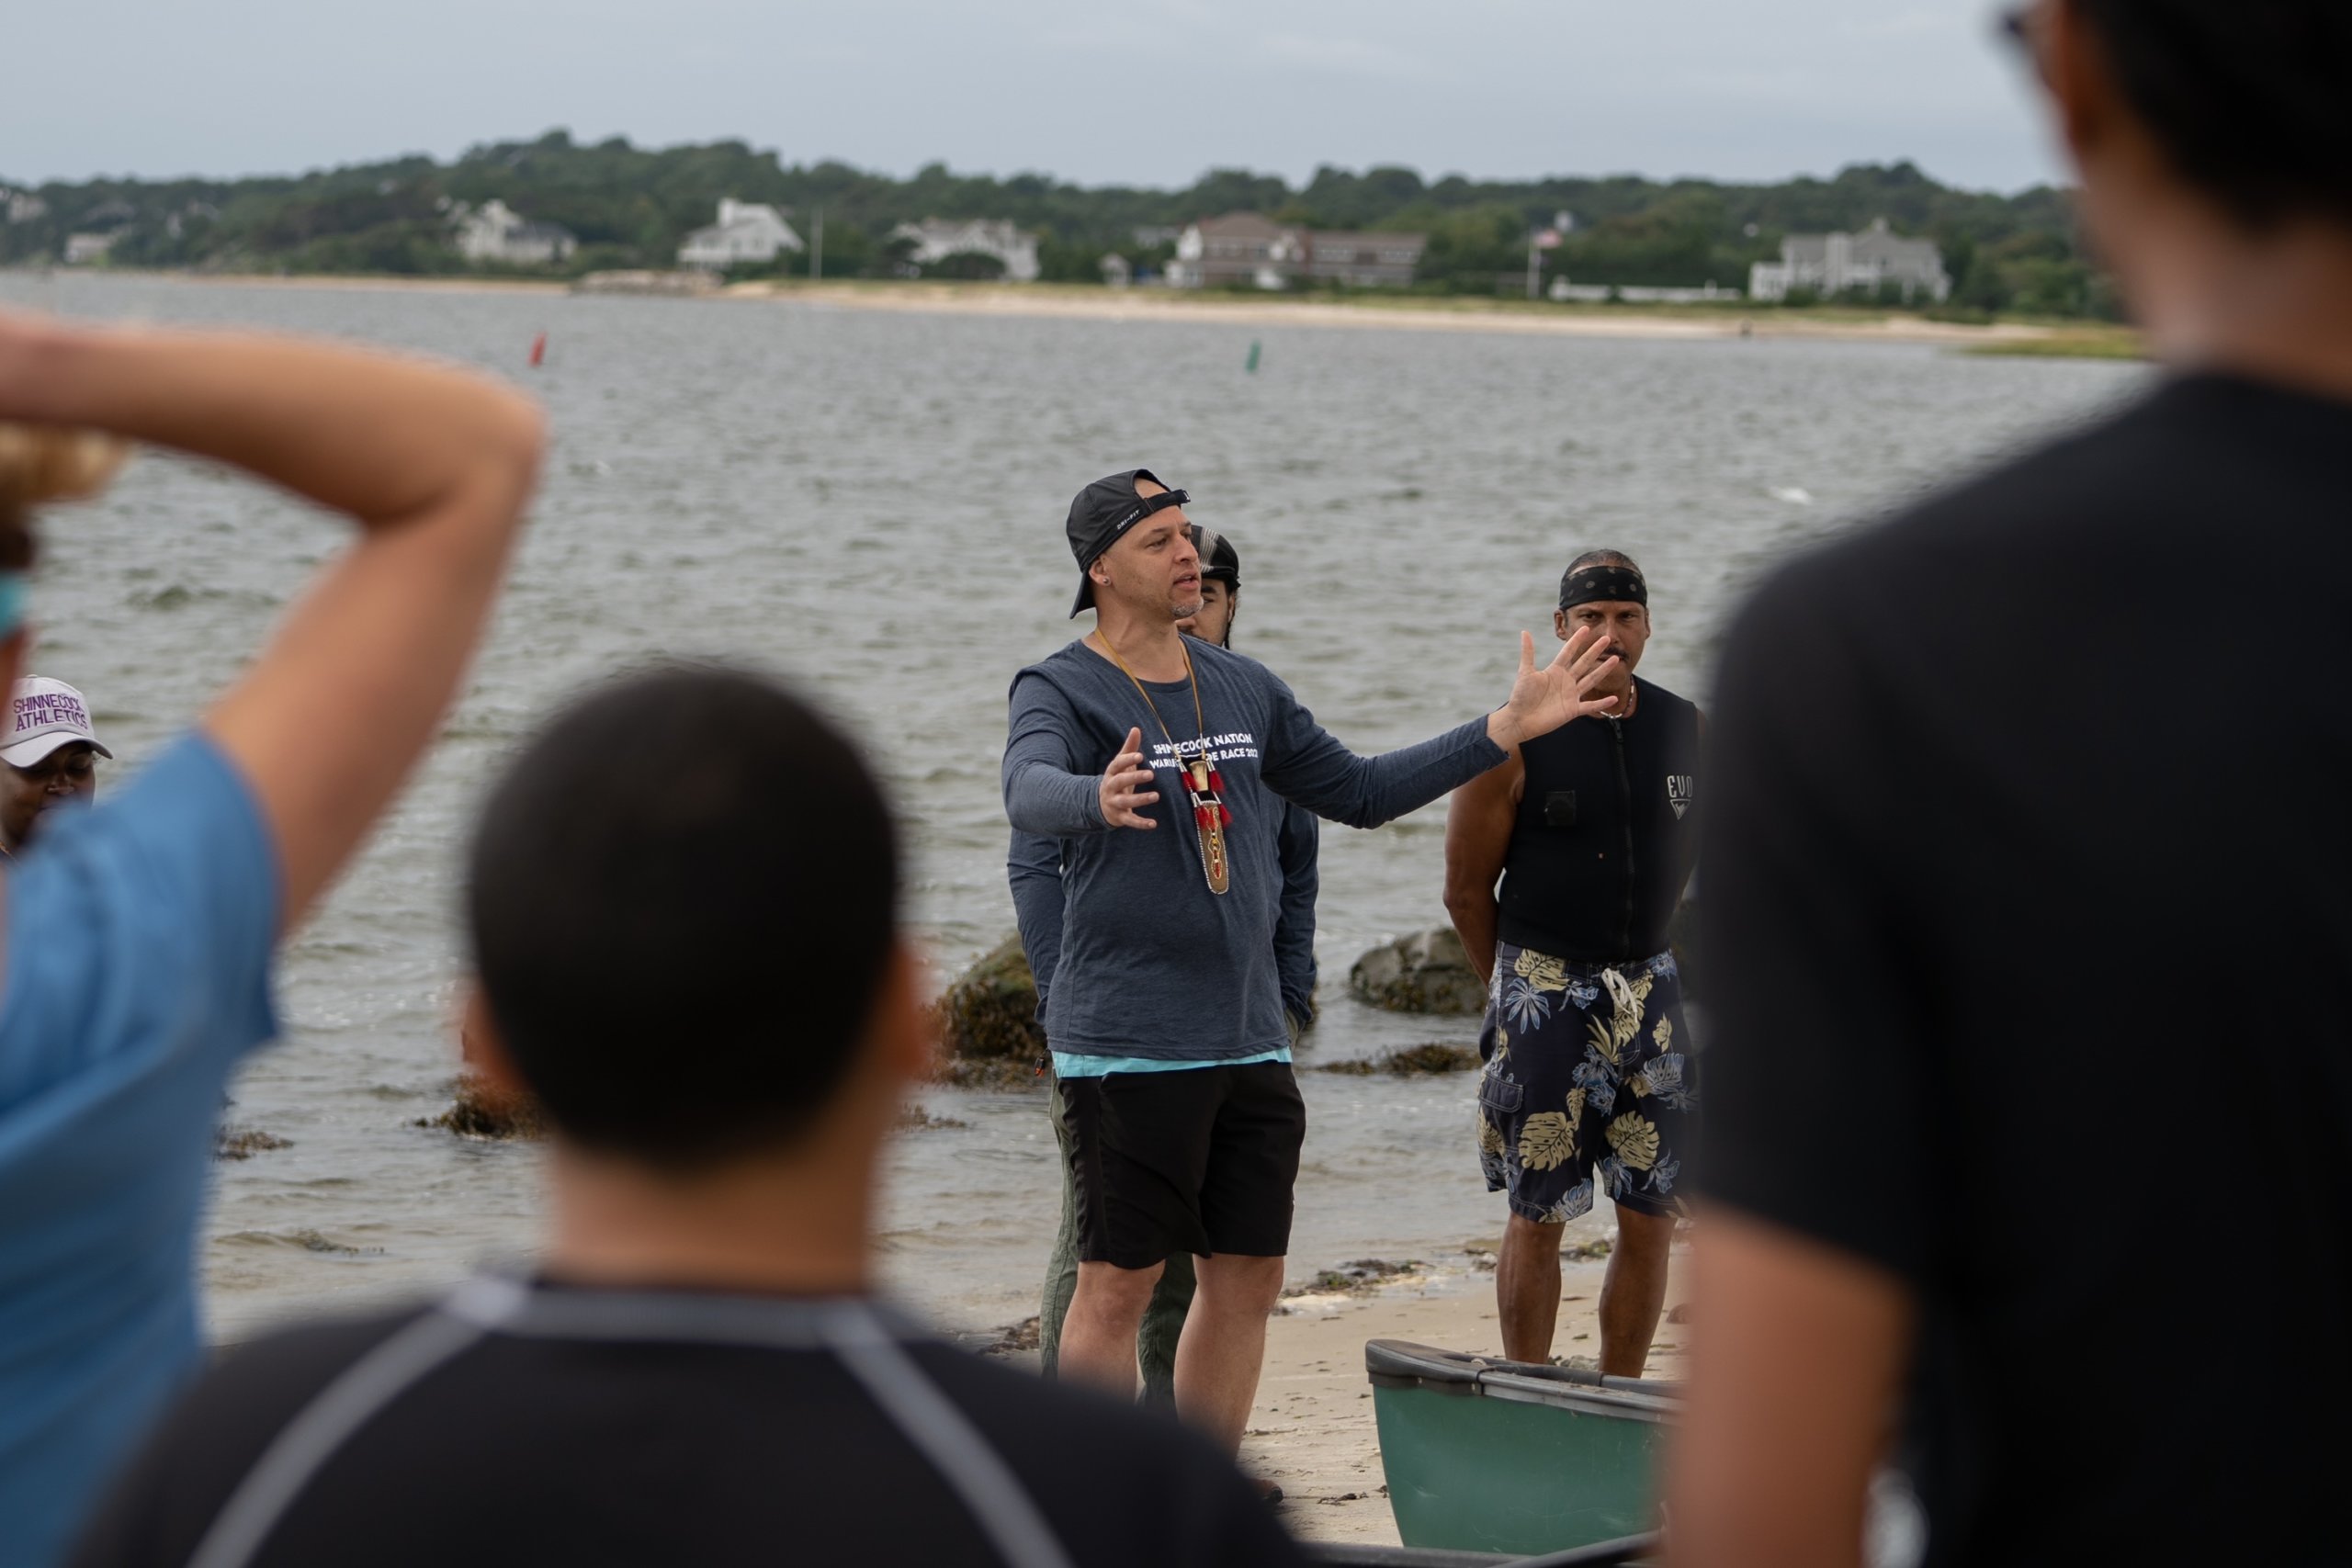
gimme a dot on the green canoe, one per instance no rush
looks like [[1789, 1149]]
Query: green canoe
[[1489, 1455]]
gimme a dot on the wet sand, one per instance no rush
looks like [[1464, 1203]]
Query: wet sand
[[1313, 1431]]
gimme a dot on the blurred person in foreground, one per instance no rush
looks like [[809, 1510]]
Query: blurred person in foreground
[[1590, 1082], [52, 755], [1036, 876], [135, 971], [2029, 907], [1166, 1021], [699, 1372]]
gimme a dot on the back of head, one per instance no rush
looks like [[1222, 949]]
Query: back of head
[[2248, 97], [683, 899]]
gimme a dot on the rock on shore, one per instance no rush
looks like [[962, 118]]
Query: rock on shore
[[1427, 973], [988, 1022], [481, 1109], [1424, 973]]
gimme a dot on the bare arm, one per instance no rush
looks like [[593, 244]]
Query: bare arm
[[1798, 1354], [434, 464], [1478, 838]]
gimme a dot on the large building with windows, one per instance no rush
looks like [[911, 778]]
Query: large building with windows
[[1831, 264], [1248, 250], [496, 233], [748, 233]]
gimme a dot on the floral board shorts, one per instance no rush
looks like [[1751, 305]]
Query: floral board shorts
[[1588, 1081]]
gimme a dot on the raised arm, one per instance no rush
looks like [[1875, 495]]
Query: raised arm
[[1477, 839], [1306, 765], [434, 464]]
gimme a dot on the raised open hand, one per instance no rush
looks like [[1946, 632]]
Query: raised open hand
[[1126, 786], [1543, 700]]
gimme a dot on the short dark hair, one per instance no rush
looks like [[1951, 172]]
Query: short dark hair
[[1604, 558], [682, 897], [2248, 97]]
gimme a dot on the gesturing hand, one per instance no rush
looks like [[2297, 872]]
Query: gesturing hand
[[1543, 700], [1125, 788]]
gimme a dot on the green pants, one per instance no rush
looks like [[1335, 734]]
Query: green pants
[[1164, 1319]]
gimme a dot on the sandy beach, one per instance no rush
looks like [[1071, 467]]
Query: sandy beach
[[1519, 318], [1409, 313], [1313, 1429]]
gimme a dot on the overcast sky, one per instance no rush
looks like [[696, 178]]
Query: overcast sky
[[1144, 92]]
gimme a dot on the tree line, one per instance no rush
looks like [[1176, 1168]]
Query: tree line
[[630, 206]]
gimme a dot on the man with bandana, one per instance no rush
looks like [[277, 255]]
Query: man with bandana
[[1166, 1014], [1589, 1083]]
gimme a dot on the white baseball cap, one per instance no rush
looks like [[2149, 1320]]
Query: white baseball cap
[[46, 715]]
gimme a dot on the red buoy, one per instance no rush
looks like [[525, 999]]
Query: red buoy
[[538, 351]]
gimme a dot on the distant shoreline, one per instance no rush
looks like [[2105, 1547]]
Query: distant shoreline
[[1407, 313]]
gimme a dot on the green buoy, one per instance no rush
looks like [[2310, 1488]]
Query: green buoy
[[1252, 366]]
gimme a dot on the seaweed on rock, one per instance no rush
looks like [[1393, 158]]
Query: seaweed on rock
[[987, 1022], [482, 1110]]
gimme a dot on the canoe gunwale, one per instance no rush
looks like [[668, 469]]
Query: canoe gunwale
[[1400, 1364], [1565, 1397]]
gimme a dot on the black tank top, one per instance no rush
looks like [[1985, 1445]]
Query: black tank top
[[1606, 833]]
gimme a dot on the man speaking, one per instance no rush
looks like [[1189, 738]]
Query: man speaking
[[1164, 763]]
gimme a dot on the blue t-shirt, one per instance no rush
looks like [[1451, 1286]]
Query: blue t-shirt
[[135, 977]]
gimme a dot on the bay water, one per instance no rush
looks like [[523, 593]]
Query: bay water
[[870, 503]]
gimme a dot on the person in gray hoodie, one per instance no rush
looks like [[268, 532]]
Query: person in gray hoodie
[[1165, 1015]]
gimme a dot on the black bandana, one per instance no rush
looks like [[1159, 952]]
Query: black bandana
[[1615, 584]]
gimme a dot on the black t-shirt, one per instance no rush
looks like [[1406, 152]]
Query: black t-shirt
[[2028, 913], [572, 1446]]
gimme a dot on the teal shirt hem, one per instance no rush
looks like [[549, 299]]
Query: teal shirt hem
[[1075, 1065]]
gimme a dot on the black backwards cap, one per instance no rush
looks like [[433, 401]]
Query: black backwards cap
[[1220, 559], [1100, 515], [1611, 584]]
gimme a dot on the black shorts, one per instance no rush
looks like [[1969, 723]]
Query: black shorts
[[1201, 1160]]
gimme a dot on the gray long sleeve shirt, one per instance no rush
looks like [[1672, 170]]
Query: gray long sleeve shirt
[[1150, 962], [1034, 868]]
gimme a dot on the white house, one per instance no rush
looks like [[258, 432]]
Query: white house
[[496, 233], [746, 233], [1831, 263], [82, 250], [20, 206], [936, 239]]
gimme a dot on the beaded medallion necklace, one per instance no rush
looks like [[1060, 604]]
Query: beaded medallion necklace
[[1211, 816]]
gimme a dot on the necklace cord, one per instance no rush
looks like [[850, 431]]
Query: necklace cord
[[1209, 814], [1200, 723]]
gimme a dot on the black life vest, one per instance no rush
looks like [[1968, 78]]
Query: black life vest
[[1606, 833]]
